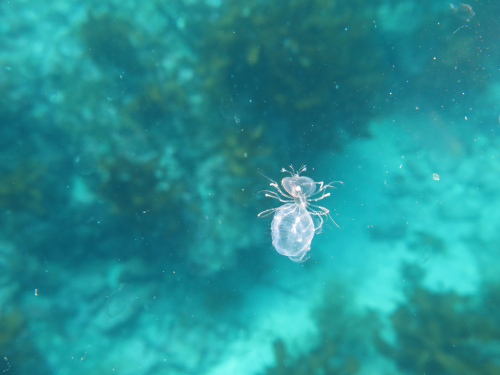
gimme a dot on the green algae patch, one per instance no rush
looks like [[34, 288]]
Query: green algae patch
[[444, 333]]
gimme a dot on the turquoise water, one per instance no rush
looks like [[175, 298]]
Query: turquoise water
[[137, 140]]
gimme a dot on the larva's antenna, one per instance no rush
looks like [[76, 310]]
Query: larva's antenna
[[292, 172], [285, 170], [266, 177]]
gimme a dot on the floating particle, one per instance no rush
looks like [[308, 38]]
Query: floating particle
[[8, 366], [435, 177], [229, 108]]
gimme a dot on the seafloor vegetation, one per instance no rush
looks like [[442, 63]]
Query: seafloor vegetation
[[430, 332], [442, 332], [343, 341]]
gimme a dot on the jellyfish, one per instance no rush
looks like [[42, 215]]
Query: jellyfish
[[293, 227], [292, 231]]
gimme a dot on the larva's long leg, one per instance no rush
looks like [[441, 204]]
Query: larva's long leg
[[323, 186], [274, 195], [319, 198], [281, 192], [281, 200], [325, 212], [319, 216], [322, 189], [267, 212], [323, 209], [276, 186], [267, 192]]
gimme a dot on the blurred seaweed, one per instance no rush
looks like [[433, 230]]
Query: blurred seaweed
[[343, 342], [300, 60], [443, 332]]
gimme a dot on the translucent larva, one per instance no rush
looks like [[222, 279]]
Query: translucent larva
[[293, 227]]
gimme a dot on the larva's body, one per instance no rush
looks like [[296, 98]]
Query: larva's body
[[292, 227]]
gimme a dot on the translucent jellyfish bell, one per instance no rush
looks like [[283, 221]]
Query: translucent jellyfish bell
[[292, 231]]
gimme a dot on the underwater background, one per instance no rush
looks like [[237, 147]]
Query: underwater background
[[136, 139]]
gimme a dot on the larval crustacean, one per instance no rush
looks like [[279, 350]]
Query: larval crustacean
[[293, 227]]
